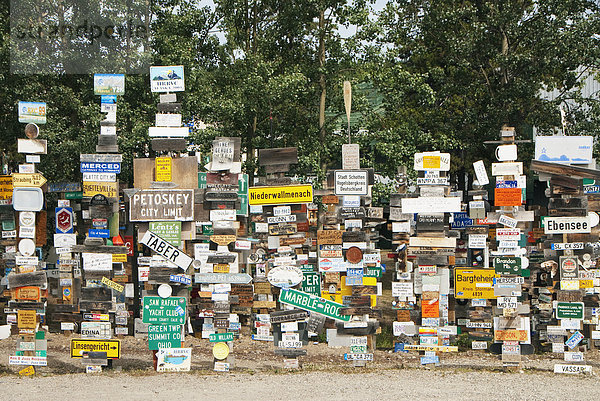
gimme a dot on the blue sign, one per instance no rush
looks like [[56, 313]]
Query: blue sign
[[96, 233], [430, 359], [100, 167], [506, 184], [461, 220], [108, 99], [176, 278], [354, 276], [574, 340], [399, 347]]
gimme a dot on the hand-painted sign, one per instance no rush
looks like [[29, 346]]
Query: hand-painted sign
[[35, 180], [164, 310], [166, 250], [312, 303], [174, 360], [162, 204]]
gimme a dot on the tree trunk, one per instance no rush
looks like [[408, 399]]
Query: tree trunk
[[322, 133]]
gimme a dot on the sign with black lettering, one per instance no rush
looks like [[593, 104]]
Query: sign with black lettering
[[162, 204], [567, 225], [166, 250]]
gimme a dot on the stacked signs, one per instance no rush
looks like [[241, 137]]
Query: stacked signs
[[21, 235], [423, 275], [97, 278], [279, 211], [567, 282], [348, 258], [225, 294], [162, 204]]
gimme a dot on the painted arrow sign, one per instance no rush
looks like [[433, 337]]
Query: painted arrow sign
[[28, 180]]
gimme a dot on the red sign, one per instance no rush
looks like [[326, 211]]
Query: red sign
[[129, 244], [507, 197], [64, 220]]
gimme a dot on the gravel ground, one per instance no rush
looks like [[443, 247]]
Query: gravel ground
[[388, 384]]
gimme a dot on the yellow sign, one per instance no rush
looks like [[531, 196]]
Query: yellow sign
[[111, 347], [162, 167], [28, 180], [278, 195], [510, 335], [26, 319], [221, 350], [28, 371], [119, 257], [112, 284], [6, 187], [474, 283], [431, 162], [221, 268], [108, 189], [586, 283], [223, 239]]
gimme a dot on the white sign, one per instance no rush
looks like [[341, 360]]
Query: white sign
[[479, 345], [166, 250], [167, 78], [402, 289], [432, 161], [282, 210], [168, 120], [280, 219], [481, 173], [512, 168], [350, 156], [97, 261], [100, 177], [172, 132], [572, 369], [507, 221], [431, 205], [564, 149], [351, 182], [507, 302], [567, 225], [477, 241]]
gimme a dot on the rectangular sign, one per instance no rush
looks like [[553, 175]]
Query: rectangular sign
[[167, 78], [166, 250], [474, 283], [170, 231], [432, 204], [168, 132], [572, 369], [569, 310], [564, 149], [109, 84], [164, 336], [351, 182], [164, 310], [100, 167], [32, 112], [432, 161], [567, 225], [508, 196], [111, 347], [99, 177], [280, 195], [162, 204], [312, 303], [108, 189]]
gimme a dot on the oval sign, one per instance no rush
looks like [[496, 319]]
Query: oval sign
[[285, 276]]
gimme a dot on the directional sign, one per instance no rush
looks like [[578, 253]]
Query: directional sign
[[312, 303], [164, 310], [219, 337], [28, 180], [166, 250], [111, 347]]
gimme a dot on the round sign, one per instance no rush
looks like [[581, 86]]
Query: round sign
[[354, 254], [27, 219], [569, 265], [32, 131], [26, 247], [67, 292], [594, 219], [221, 350], [164, 290], [285, 276]]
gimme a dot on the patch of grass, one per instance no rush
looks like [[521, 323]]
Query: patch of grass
[[385, 339]]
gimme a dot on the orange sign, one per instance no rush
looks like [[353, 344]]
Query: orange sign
[[507, 197], [430, 308], [27, 293], [510, 335]]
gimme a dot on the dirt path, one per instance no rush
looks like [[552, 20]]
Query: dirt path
[[389, 384]]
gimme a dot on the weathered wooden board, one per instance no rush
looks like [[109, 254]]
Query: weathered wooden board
[[95, 305], [169, 144], [275, 156], [184, 172], [565, 170], [37, 279], [169, 107], [99, 249], [96, 293], [364, 290], [432, 242]]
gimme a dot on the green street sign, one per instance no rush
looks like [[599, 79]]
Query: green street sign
[[201, 180], [164, 336], [74, 195], [373, 272], [358, 349], [207, 230], [311, 283], [220, 337], [569, 310], [164, 310], [313, 303], [507, 265]]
